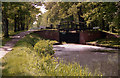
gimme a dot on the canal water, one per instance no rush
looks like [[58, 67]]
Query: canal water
[[86, 55]]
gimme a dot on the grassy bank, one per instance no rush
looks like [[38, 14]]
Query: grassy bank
[[33, 56], [112, 42]]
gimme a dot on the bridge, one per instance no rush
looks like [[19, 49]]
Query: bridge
[[71, 31], [71, 37]]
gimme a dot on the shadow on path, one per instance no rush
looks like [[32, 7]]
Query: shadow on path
[[10, 44]]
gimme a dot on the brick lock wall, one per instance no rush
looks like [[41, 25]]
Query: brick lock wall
[[49, 34], [84, 36], [90, 35]]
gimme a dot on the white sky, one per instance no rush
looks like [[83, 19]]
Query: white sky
[[42, 9]]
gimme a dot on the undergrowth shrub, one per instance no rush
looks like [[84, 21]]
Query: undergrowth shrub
[[53, 42], [29, 41], [44, 47]]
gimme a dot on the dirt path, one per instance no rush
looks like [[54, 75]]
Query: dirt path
[[10, 44]]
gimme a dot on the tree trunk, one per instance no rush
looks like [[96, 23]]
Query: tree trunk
[[103, 24], [5, 26], [81, 20], [15, 27], [26, 24], [18, 20], [106, 25], [18, 24], [22, 22], [23, 28]]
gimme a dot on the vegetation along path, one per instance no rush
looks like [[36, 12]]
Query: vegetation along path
[[10, 44]]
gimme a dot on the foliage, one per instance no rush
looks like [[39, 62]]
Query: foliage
[[53, 42], [44, 47], [101, 15], [29, 41], [96, 14], [18, 16]]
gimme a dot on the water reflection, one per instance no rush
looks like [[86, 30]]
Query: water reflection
[[106, 63], [0, 67]]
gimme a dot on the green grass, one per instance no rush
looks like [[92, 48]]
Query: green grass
[[111, 32], [26, 59], [112, 42], [110, 51]]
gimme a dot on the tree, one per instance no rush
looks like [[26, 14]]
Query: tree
[[5, 20], [104, 15], [21, 13]]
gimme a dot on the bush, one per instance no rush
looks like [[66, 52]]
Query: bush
[[53, 42], [29, 41], [44, 47]]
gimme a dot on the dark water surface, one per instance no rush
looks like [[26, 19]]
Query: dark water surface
[[104, 62]]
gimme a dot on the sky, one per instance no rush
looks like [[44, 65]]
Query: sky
[[42, 9]]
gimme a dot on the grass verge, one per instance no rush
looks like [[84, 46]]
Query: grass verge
[[108, 51], [112, 42]]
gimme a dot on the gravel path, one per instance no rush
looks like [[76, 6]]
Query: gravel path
[[10, 44]]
